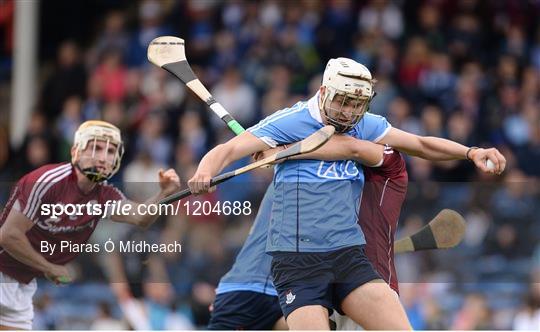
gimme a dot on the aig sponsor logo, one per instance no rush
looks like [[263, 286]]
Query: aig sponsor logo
[[338, 170]]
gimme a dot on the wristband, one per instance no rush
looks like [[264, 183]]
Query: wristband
[[469, 151]]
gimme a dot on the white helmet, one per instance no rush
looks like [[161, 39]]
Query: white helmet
[[90, 132], [351, 81]]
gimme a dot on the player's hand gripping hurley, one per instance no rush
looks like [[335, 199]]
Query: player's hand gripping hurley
[[168, 52], [308, 144]]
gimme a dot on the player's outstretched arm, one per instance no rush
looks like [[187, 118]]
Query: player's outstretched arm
[[169, 183], [340, 147], [221, 156], [440, 149], [13, 239]]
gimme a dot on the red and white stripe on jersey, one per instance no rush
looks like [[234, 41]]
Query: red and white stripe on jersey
[[390, 253], [42, 185], [57, 184]]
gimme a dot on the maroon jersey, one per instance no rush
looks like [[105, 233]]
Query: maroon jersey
[[53, 184], [384, 192]]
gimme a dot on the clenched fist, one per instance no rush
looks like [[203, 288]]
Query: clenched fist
[[481, 156], [169, 181]]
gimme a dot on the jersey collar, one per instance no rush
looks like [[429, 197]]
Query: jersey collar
[[313, 107]]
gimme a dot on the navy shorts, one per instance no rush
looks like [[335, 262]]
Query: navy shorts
[[324, 278], [244, 310]]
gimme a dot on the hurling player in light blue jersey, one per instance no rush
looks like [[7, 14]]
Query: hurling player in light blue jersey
[[317, 247], [318, 260], [245, 297]]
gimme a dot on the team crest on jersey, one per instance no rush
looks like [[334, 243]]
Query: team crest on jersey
[[290, 297], [338, 170]]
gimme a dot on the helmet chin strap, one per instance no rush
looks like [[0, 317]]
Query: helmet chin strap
[[91, 173]]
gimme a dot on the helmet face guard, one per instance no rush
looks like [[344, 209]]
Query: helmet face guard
[[348, 92], [344, 111], [98, 150]]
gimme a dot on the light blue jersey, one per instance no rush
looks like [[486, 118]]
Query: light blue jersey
[[315, 203], [251, 269]]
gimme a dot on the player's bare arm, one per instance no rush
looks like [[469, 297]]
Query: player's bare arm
[[169, 183], [221, 156], [117, 276], [340, 147], [13, 239], [440, 149]]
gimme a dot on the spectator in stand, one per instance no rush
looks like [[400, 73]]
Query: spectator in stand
[[105, 321], [152, 138], [111, 76], [150, 26], [382, 17], [528, 317], [236, 96], [113, 37], [474, 314], [68, 122], [7, 10], [68, 79]]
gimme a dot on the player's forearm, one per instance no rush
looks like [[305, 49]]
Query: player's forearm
[[221, 156], [146, 220], [440, 149], [431, 148], [216, 160], [368, 153], [341, 147], [225, 154], [17, 245], [338, 147]]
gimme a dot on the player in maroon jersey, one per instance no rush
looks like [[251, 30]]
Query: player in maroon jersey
[[385, 188], [29, 231]]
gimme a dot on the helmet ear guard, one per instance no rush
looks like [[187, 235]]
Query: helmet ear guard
[[90, 132], [351, 80]]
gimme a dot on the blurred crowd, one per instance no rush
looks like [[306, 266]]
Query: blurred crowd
[[465, 70]]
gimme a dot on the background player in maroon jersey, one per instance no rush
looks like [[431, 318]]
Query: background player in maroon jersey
[[24, 226]]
